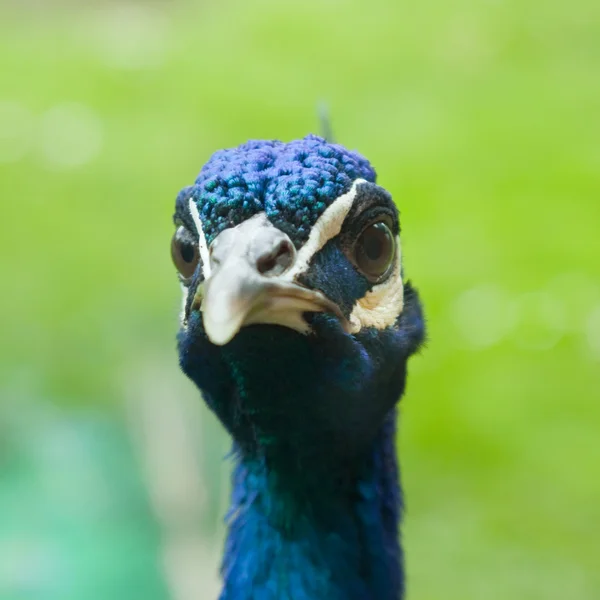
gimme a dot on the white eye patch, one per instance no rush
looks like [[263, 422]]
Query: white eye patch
[[184, 293], [382, 305], [202, 245]]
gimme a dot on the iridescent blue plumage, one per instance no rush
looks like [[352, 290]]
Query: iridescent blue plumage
[[316, 499], [293, 183]]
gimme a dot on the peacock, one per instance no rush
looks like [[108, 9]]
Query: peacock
[[296, 326]]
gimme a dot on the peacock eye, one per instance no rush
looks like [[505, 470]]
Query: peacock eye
[[374, 251], [184, 252]]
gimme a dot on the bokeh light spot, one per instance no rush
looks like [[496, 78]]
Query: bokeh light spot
[[466, 45], [483, 315], [579, 293], [70, 136], [128, 36]]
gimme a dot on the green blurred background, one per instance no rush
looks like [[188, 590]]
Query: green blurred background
[[482, 118]]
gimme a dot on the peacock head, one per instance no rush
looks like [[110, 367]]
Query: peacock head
[[296, 322]]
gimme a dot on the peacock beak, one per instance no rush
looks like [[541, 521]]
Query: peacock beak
[[248, 285]]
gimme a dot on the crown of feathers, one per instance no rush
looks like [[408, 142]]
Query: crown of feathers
[[293, 183]]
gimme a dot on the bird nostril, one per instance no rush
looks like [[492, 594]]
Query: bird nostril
[[265, 264], [277, 260]]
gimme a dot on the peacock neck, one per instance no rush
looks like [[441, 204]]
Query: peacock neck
[[316, 531]]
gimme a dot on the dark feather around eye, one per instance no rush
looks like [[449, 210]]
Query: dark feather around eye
[[374, 251], [184, 252]]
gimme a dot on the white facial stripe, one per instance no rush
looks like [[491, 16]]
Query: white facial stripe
[[184, 292], [328, 225], [202, 245], [382, 305]]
